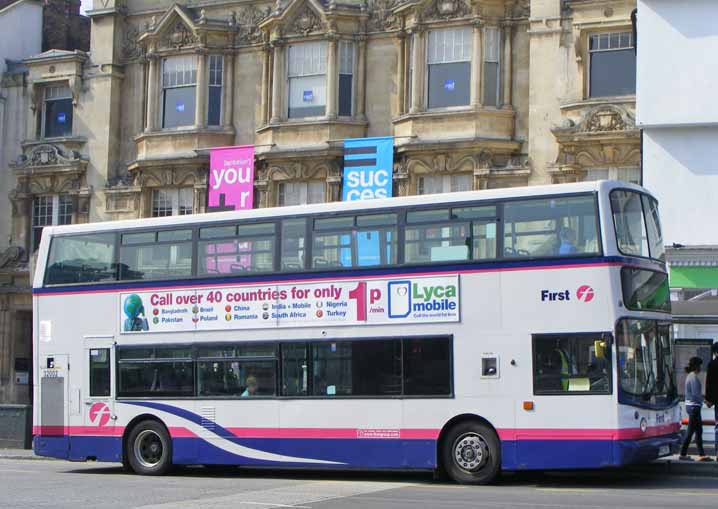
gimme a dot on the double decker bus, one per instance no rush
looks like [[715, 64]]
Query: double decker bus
[[464, 333]]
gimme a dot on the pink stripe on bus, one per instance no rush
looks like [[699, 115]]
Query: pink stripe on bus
[[345, 433], [180, 432], [506, 434], [78, 430], [587, 434]]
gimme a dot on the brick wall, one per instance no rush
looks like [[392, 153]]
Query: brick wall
[[64, 27]]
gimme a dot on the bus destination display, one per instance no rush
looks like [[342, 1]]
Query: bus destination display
[[332, 303]]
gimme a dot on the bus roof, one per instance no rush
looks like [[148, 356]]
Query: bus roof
[[289, 211]]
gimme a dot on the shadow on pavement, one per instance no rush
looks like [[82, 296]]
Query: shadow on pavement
[[581, 479]]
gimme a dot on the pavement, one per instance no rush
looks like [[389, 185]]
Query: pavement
[[54, 483]]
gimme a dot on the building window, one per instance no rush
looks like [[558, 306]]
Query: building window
[[57, 112], [492, 43], [612, 65], [307, 79], [434, 184], [300, 193], [632, 175], [49, 211], [179, 83], [172, 202], [346, 78], [214, 107], [449, 63]]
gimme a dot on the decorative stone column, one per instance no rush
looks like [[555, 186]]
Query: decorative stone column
[[6, 341], [401, 73], [228, 90], [361, 79], [261, 187], [21, 216], [507, 66], [417, 74], [401, 179], [333, 191], [277, 81], [200, 112], [143, 67], [153, 84], [477, 65], [266, 66], [332, 76]]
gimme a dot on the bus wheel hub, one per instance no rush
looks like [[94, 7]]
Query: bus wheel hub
[[470, 452]]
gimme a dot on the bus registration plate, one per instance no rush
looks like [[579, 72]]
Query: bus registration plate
[[664, 450]]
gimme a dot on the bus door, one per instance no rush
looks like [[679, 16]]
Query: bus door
[[54, 406], [566, 421], [98, 389]]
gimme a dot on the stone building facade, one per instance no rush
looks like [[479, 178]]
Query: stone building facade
[[27, 27], [478, 94]]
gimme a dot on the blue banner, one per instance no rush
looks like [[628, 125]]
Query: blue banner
[[368, 168]]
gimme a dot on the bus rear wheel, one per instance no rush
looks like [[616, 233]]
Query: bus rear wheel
[[471, 453], [149, 449]]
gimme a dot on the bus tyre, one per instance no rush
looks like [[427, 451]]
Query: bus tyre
[[471, 453], [149, 449]]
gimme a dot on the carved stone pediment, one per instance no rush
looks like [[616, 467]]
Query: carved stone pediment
[[605, 119], [446, 9], [181, 27], [604, 137], [181, 174], [47, 154], [298, 18], [178, 35], [175, 29], [305, 21], [247, 21], [602, 119], [382, 16]]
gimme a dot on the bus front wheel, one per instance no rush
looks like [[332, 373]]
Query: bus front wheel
[[149, 449], [471, 453]]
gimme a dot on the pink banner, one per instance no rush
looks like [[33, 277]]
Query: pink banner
[[231, 178]]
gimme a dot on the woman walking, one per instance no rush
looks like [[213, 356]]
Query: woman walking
[[694, 402]]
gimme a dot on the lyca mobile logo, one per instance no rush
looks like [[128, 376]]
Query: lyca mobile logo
[[99, 414], [584, 293], [406, 297]]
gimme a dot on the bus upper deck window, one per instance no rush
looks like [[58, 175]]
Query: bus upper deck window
[[156, 255], [547, 227], [294, 232], [236, 249], [628, 219], [81, 259]]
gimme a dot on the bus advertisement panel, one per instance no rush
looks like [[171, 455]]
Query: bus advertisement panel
[[414, 300]]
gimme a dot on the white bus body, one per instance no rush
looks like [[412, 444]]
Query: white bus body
[[500, 319]]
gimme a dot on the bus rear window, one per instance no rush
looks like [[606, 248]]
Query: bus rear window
[[81, 259]]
